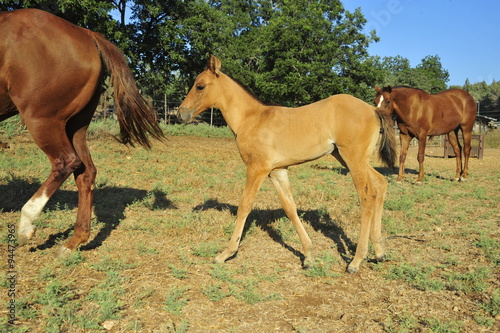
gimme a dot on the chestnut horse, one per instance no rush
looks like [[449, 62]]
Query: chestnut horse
[[420, 115], [272, 138], [51, 73]]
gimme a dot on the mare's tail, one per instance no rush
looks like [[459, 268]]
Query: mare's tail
[[387, 148], [136, 117]]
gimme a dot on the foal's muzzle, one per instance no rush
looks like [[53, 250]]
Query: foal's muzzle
[[185, 114]]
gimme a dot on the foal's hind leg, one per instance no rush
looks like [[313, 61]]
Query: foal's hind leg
[[370, 193], [282, 185], [64, 161], [380, 184]]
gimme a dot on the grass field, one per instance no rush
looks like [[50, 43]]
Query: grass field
[[161, 216]]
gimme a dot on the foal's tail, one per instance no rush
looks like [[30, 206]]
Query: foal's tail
[[387, 147], [136, 117]]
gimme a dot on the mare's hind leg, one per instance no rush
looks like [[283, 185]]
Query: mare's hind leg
[[84, 177], [467, 134], [405, 140], [282, 185], [52, 139], [457, 149]]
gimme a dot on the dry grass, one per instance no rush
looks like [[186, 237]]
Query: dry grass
[[161, 215]]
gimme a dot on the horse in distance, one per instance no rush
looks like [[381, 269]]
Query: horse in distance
[[420, 115], [51, 73], [271, 138]]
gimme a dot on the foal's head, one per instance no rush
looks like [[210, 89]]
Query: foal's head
[[384, 98], [204, 93]]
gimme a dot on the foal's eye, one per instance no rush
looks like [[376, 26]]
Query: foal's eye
[[200, 87]]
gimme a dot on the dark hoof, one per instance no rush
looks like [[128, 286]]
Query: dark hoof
[[381, 258]]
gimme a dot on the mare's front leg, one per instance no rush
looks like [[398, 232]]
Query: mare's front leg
[[282, 185], [457, 150], [405, 140], [422, 141], [255, 178]]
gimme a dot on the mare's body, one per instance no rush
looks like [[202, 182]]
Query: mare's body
[[51, 73], [420, 115]]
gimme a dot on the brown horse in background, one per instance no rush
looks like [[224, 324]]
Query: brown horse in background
[[51, 73], [420, 115], [272, 138]]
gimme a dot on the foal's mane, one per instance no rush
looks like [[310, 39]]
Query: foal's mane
[[251, 93]]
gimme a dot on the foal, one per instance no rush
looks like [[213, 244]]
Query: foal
[[272, 138]]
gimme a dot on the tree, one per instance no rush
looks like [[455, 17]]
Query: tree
[[429, 75], [434, 77]]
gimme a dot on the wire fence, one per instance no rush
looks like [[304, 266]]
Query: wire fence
[[167, 114]]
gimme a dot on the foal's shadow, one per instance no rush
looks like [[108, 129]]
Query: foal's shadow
[[109, 207], [263, 218]]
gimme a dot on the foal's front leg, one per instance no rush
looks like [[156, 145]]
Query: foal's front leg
[[282, 185], [255, 178]]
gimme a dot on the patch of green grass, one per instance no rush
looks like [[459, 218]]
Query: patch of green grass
[[446, 326], [175, 300], [214, 291], [418, 276], [178, 273], [106, 296], [469, 282], [322, 266], [200, 130], [490, 247], [207, 249], [401, 323]]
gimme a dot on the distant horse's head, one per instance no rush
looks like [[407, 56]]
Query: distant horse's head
[[384, 98], [204, 93]]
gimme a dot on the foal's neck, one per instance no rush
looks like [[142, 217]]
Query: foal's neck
[[237, 104]]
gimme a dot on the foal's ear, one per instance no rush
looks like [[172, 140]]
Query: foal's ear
[[214, 64], [377, 89]]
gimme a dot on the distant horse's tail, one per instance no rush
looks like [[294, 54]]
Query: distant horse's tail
[[387, 147], [136, 117]]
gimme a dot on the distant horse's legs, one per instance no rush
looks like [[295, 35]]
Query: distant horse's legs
[[64, 161], [467, 134], [457, 149], [282, 185], [422, 141], [405, 143], [255, 178]]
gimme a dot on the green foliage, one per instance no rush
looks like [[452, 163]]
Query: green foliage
[[429, 75], [419, 276], [175, 300]]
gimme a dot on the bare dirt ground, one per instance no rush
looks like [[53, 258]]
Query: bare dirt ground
[[146, 237]]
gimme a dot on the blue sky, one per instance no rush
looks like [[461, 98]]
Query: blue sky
[[465, 34]]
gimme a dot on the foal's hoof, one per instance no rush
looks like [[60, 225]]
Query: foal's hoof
[[351, 270], [62, 252], [382, 258]]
